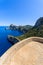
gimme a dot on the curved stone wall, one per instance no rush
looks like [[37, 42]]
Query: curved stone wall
[[9, 57]]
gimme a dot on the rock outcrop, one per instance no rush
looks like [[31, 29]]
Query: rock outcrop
[[12, 39], [39, 22], [35, 31]]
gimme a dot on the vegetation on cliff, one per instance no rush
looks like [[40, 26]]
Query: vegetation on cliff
[[36, 30], [23, 29]]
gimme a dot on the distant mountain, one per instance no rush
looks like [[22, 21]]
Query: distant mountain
[[36, 30], [39, 22], [23, 29]]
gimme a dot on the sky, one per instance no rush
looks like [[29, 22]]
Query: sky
[[20, 12]]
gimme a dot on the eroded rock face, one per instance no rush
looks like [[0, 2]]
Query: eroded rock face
[[12, 27], [39, 22], [12, 39], [26, 52]]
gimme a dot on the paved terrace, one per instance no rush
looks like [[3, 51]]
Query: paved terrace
[[26, 52]]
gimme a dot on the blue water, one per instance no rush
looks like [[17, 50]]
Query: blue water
[[4, 43]]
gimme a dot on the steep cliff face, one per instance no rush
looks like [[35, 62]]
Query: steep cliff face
[[23, 29], [39, 22], [36, 30]]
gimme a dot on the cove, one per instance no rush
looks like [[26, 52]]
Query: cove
[[4, 43]]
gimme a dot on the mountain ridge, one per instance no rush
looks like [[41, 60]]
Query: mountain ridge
[[39, 22], [36, 30]]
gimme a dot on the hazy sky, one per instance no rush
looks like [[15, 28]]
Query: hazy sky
[[20, 12]]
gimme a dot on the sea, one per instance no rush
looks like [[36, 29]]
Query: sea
[[4, 43]]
